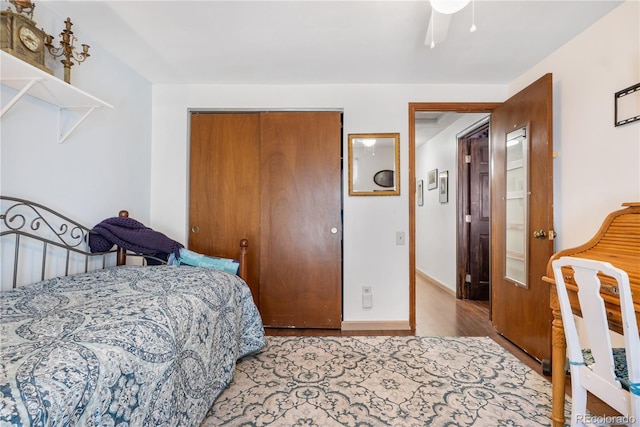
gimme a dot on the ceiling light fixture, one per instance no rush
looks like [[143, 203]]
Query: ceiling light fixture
[[368, 142], [446, 8]]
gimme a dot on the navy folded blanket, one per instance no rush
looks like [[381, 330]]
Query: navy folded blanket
[[134, 236]]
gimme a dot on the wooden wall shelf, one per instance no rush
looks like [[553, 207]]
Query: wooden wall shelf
[[29, 80]]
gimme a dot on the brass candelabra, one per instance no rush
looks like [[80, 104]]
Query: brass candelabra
[[67, 49]]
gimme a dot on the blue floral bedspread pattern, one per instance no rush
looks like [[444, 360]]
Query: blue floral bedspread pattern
[[125, 346]]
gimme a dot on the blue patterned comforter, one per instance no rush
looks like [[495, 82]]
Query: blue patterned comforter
[[136, 346]]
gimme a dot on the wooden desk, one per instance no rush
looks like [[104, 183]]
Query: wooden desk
[[617, 242]]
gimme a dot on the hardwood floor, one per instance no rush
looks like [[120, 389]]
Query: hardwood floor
[[439, 313]]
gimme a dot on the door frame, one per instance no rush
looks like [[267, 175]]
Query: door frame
[[458, 107]]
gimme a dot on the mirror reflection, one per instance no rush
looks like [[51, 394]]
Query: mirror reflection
[[374, 164]]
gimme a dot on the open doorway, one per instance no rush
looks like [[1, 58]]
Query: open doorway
[[446, 208], [519, 305]]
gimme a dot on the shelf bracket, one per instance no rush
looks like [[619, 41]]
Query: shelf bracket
[[19, 95], [26, 79], [63, 136]]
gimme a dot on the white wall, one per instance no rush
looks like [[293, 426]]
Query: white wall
[[371, 256], [435, 221], [104, 166], [598, 166]]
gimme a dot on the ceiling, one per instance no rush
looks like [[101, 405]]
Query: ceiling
[[326, 42], [430, 123]]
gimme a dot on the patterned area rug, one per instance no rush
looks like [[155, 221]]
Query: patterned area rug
[[383, 381]]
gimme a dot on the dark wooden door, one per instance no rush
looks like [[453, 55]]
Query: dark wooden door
[[522, 313], [301, 228], [224, 188], [479, 227]]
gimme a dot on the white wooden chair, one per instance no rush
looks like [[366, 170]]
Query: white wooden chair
[[595, 365]]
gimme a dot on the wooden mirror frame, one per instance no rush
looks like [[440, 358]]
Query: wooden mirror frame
[[395, 191]]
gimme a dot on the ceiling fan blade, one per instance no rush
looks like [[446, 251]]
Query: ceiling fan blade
[[438, 28]]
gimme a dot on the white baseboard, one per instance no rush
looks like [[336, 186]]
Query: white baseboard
[[382, 325], [430, 279]]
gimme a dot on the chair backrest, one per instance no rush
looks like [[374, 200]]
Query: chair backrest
[[595, 335]]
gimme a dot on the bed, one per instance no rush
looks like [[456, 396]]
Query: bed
[[123, 345]]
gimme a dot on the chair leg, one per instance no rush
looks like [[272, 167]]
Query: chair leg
[[579, 402], [635, 410]]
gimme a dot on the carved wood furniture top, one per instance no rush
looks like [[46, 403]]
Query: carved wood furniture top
[[618, 242]]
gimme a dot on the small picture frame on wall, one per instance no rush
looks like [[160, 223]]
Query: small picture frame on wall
[[432, 179], [420, 193], [627, 105], [443, 185]]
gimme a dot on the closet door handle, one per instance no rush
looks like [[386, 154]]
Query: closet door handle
[[334, 230], [195, 229]]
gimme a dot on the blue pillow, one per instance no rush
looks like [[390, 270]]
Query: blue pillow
[[195, 259]]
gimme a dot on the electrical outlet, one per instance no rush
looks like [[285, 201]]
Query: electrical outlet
[[367, 297], [399, 237]]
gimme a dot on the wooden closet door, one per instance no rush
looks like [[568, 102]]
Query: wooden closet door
[[301, 227], [224, 188]]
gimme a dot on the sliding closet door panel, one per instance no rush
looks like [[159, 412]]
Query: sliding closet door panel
[[224, 188], [301, 229]]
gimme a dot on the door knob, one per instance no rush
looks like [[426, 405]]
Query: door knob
[[539, 234], [334, 230], [195, 229]]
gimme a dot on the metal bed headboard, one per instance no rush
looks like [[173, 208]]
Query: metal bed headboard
[[29, 222]]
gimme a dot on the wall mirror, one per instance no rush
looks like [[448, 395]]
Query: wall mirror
[[374, 164], [517, 208]]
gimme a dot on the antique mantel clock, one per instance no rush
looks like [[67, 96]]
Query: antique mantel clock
[[20, 36]]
